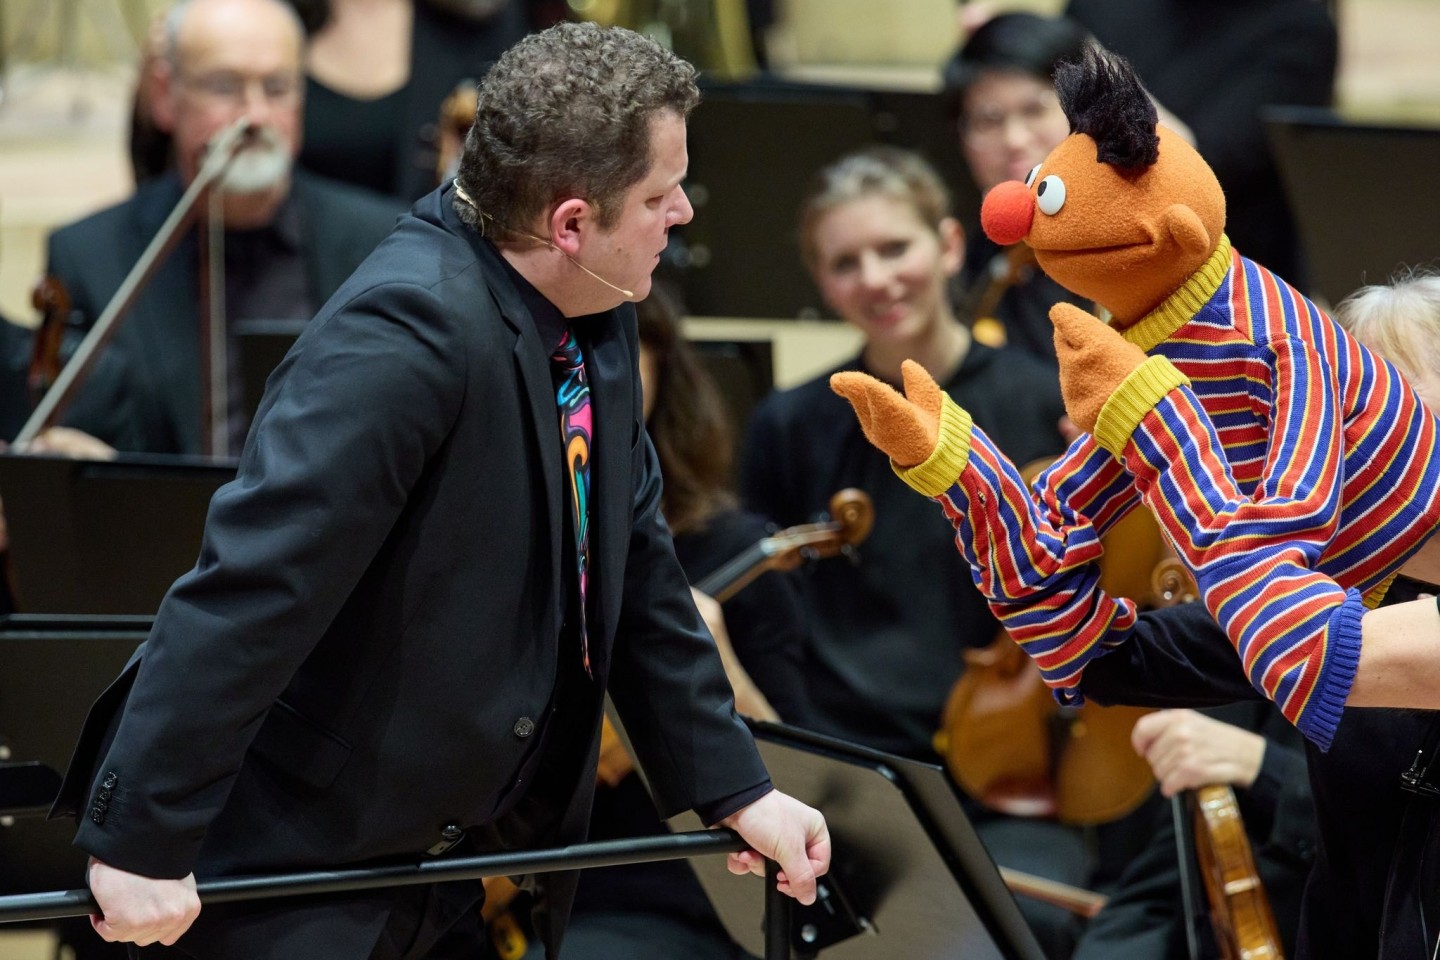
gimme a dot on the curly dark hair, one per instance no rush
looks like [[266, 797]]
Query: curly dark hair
[[688, 425], [1104, 99], [567, 113]]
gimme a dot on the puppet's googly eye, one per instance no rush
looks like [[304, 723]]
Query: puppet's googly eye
[[1050, 195], [1030, 177]]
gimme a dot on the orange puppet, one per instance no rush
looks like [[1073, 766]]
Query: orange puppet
[[1293, 470]]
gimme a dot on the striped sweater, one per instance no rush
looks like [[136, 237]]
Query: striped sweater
[[1293, 470]]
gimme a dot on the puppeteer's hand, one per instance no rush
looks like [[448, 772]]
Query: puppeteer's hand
[[1094, 361], [1187, 750], [783, 829], [904, 428], [141, 910]]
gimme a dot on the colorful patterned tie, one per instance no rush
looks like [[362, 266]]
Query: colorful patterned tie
[[576, 423]]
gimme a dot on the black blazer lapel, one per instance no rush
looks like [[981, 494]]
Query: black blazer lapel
[[532, 368]]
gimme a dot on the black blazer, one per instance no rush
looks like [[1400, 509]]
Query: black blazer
[[144, 393], [376, 610]]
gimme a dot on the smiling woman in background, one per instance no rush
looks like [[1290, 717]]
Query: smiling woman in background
[[882, 247]]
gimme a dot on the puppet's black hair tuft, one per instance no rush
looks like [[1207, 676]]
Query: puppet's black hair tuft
[[1104, 99]]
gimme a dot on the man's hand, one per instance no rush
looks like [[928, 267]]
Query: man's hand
[[69, 442], [1187, 750], [141, 910], [780, 828], [906, 429], [1094, 361]]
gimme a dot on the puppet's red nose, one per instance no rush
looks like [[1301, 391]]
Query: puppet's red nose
[[1007, 211]]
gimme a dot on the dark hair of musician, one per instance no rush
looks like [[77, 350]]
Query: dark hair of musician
[[567, 112], [1104, 99], [1014, 42], [688, 423]]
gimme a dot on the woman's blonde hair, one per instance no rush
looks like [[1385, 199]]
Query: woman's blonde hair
[[875, 171], [1399, 320]]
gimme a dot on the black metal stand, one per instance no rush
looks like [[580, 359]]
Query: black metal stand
[[777, 916], [606, 853]]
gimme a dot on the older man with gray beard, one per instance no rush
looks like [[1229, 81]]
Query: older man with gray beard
[[290, 238]]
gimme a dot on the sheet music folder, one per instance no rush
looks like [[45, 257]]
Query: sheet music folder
[[104, 537], [51, 670], [905, 856], [1364, 195]]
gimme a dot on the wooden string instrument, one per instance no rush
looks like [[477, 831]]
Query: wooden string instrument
[[53, 301], [1240, 911]]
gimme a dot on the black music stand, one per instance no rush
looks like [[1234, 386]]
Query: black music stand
[[1364, 195], [51, 670], [909, 876], [753, 150], [93, 537], [262, 344]]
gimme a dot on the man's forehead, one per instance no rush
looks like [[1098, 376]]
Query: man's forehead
[[222, 31]]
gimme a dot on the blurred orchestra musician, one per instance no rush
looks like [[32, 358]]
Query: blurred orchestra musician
[[877, 234], [376, 74], [290, 238]]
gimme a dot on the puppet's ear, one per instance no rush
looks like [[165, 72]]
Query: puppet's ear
[[1188, 232]]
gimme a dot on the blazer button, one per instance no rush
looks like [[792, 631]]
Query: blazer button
[[524, 727]]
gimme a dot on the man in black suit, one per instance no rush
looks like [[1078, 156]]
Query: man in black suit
[[409, 602], [291, 238]]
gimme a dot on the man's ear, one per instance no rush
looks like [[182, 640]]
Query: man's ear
[[570, 222], [161, 90], [952, 246]]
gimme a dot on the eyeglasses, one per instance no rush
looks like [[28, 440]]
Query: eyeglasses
[[227, 86], [987, 125]]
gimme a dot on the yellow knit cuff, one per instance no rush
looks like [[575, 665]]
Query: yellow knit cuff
[[1136, 396], [940, 470], [1377, 593]]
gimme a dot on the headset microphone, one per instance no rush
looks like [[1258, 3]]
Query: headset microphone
[[627, 294]]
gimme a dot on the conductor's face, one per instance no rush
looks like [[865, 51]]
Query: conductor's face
[[628, 253], [234, 59]]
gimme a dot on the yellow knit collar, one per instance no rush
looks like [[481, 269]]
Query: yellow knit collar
[[1181, 306]]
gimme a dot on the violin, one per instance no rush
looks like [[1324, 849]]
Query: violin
[[1006, 269], [852, 515], [1007, 742], [1240, 911], [52, 300]]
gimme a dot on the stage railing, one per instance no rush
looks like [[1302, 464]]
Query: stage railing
[[606, 853]]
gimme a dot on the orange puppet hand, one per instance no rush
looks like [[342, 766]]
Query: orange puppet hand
[[1094, 361], [905, 428]]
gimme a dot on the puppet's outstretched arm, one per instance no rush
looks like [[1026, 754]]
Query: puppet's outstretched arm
[[1031, 554], [1293, 618]]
